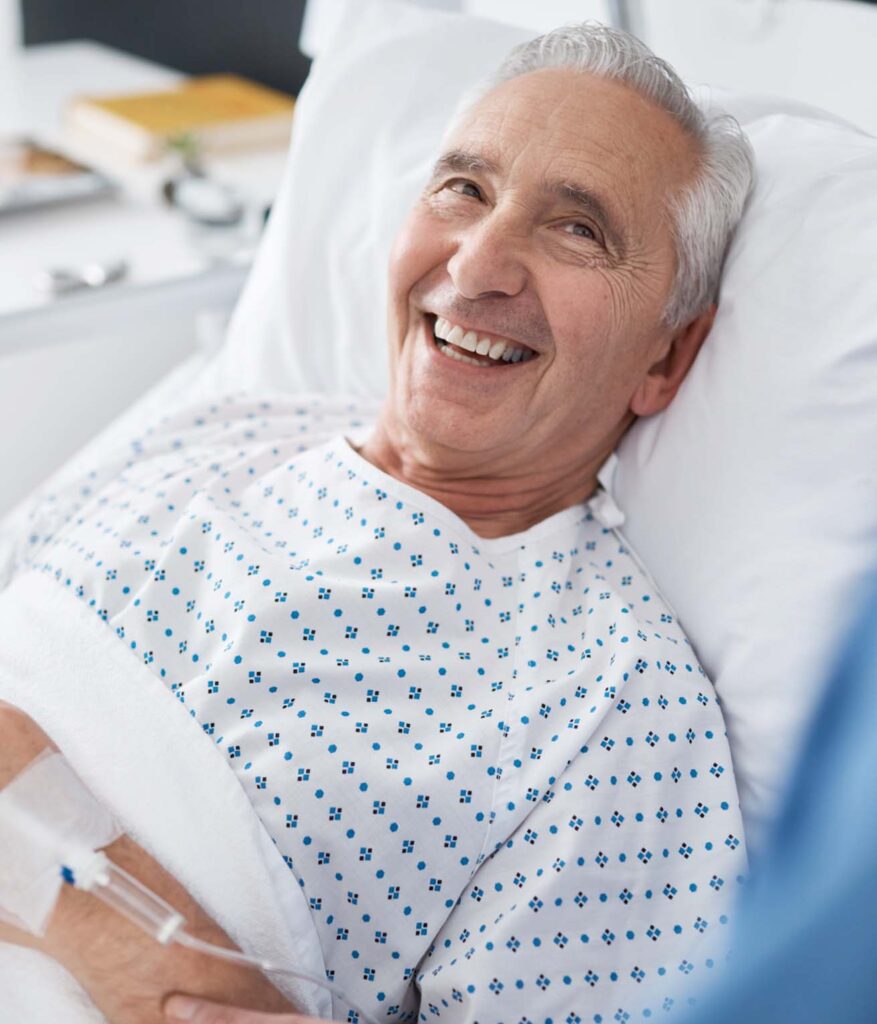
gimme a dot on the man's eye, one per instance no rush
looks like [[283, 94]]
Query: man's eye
[[583, 231], [464, 188]]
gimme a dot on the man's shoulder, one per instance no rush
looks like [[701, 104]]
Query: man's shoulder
[[619, 578], [233, 440], [619, 630]]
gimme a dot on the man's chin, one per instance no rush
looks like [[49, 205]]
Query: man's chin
[[443, 424]]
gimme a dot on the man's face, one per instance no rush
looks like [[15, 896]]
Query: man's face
[[544, 226]]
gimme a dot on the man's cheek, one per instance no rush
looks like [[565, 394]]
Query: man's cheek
[[410, 251]]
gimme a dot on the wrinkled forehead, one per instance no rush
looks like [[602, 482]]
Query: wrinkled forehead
[[562, 124]]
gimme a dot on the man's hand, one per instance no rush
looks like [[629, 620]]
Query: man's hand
[[126, 972], [200, 1011]]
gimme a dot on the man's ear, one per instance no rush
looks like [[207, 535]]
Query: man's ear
[[658, 388]]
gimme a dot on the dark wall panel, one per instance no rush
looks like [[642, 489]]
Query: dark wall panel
[[257, 38]]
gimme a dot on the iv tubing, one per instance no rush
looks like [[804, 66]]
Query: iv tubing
[[114, 887], [234, 956]]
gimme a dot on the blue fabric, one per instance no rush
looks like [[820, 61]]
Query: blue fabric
[[806, 945]]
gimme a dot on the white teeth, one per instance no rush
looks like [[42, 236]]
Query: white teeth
[[453, 354], [497, 350]]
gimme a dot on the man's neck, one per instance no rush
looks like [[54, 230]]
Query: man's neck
[[494, 501]]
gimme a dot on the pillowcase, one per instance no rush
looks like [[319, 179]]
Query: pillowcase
[[753, 499]]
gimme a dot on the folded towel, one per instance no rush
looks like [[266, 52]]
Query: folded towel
[[138, 750]]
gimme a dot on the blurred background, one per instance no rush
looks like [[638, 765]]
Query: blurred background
[[125, 237], [804, 48], [257, 38]]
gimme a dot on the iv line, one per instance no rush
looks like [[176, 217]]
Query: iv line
[[97, 874]]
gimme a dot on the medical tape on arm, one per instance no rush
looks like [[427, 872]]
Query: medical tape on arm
[[49, 821]]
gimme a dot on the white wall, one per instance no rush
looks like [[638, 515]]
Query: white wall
[[540, 15], [10, 26], [821, 52], [10, 42]]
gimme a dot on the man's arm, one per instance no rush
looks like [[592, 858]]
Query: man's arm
[[200, 1011], [127, 973]]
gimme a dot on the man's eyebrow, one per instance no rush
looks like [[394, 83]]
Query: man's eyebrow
[[458, 161]]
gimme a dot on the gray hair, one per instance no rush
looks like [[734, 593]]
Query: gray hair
[[704, 215]]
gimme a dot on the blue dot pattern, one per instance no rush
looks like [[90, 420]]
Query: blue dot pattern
[[494, 767]]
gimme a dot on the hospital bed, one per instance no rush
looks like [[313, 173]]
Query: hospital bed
[[753, 499]]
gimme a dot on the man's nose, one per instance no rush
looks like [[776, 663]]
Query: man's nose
[[488, 260]]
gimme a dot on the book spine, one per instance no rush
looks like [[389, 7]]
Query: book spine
[[122, 135]]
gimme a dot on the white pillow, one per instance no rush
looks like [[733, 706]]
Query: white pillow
[[753, 500]]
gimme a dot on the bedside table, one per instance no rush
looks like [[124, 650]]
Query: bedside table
[[69, 365]]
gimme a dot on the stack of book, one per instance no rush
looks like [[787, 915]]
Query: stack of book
[[211, 114]]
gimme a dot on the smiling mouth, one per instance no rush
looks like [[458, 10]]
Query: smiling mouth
[[465, 346]]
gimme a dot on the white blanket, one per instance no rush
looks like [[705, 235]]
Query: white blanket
[[88, 692]]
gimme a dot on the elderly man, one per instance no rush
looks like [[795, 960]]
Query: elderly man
[[459, 706]]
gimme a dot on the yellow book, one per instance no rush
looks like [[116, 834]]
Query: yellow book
[[219, 111]]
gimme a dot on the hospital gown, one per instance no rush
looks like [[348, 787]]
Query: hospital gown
[[494, 767]]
